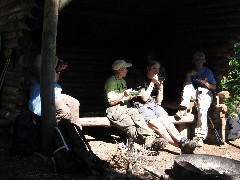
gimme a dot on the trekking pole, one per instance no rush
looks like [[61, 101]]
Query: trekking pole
[[4, 72], [215, 131]]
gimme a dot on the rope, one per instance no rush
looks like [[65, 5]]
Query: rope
[[4, 72]]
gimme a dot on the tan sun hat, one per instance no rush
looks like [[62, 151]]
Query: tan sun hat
[[118, 64], [199, 56]]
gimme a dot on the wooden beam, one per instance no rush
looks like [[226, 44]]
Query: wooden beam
[[48, 54], [104, 121]]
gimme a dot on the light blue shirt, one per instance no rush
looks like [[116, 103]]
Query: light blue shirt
[[34, 103]]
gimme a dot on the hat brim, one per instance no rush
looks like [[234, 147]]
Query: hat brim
[[128, 64], [199, 60]]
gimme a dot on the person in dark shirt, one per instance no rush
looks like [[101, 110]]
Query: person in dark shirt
[[149, 106]]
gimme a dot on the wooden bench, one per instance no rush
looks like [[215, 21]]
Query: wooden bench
[[216, 113], [183, 125], [186, 125]]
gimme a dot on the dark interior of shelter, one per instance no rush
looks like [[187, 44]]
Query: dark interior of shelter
[[91, 35]]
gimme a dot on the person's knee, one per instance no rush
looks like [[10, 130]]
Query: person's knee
[[76, 102], [64, 111]]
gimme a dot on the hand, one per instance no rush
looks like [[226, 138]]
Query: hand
[[127, 93], [155, 79], [194, 72], [61, 67], [202, 80]]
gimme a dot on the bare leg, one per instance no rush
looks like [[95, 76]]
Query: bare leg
[[161, 130], [170, 127]]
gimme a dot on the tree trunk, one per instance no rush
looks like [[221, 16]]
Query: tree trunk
[[47, 73]]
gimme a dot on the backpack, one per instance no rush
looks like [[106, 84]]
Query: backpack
[[27, 133], [72, 152]]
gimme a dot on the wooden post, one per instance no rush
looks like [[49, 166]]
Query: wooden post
[[49, 34]]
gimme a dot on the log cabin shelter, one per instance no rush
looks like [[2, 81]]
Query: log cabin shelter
[[91, 34]]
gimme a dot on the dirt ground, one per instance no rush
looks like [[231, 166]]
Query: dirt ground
[[105, 142]]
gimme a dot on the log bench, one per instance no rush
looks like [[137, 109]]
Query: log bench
[[184, 125], [217, 114]]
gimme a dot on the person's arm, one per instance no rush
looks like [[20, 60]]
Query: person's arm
[[159, 97], [57, 76], [210, 86], [145, 94], [113, 96], [58, 70], [209, 81], [116, 98]]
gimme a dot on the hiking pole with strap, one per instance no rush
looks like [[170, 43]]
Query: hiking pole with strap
[[215, 131]]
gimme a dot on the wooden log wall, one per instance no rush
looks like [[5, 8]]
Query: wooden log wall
[[184, 27], [213, 27], [18, 21], [86, 74]]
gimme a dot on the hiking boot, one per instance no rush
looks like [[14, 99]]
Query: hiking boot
[[155, 143], [158, 144], [180, 114], [149, 140], [187, 146], [199, 141], [180, 107]]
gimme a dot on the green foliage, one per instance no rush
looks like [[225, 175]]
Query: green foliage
[[231, 83]]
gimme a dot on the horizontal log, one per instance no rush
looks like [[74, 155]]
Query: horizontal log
[[5, 123], [11, 106], [103, 121], [13, 75], [20, 24], [25, 42], [174, 105], [208, 7], [19, 99], [62, 4], [37, 12], [15, 6], [219, 68], [13, 35], [32, 23], [11, 90], [11, 43], [7, 52], [205, 18], [12, 17], [12, 83], [4, 114]]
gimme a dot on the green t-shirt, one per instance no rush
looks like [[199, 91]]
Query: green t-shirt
[[116, 85]]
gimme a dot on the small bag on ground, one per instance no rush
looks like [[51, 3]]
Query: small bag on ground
[[27, 133], [72, 152]]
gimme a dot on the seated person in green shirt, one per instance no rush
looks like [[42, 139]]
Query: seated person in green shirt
[[120, 112]]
